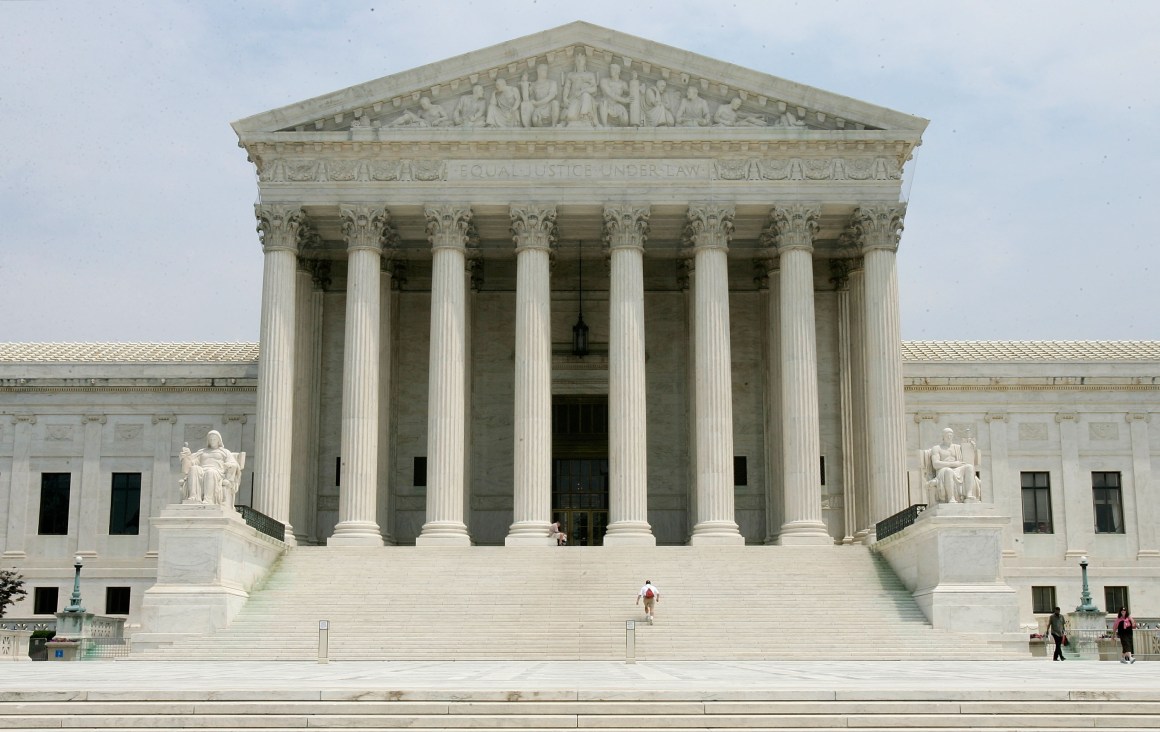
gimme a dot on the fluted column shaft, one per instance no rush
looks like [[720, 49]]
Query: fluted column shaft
[[534, 231], [447, 228], [278, 226], [625, 229], [774, 503], [386, 362], [863, 509], [879, 228], [840, 267], [709, 228], [801, 471], [303, 468], [19, 487], [357, 519]]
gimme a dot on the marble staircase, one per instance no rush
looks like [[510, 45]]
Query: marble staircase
[[547, 712], [571, 603]]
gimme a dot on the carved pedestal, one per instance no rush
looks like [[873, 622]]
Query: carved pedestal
[[207, 562], [950, 559]]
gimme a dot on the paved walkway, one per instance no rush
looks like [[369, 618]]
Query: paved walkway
[[800, 680]]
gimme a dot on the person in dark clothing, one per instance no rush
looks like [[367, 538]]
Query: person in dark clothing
[[1058, 630]]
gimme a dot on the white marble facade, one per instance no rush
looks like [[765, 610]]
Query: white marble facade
[[423, 237]]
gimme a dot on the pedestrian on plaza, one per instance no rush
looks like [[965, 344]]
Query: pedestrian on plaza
[[1123, 628], [1058, 629], [651, 596]]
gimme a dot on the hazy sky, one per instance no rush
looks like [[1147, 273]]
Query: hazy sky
[[126, 207]]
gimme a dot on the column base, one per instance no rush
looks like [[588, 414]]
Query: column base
[[629, 533], [290, 538], [443, 533], [716, 533], [804, 533], [356, 533], [529, 533]]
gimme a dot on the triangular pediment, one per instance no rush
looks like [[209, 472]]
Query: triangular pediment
[[577, 76]]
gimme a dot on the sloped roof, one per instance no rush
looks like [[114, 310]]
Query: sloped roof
[[1029, 351], [128, 352]]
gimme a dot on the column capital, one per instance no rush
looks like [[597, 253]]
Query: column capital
[[1066, 417], [449, 226], [920, 417], [364, 227], [626, 225], [24, 418], [709, 225], [792, 227], [996, 417], [840, 270], [878, 226], [278, 226], [533, 226], [170, 418], [1138, 417], [94, 419]]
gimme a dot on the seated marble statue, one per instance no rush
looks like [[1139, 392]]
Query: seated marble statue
[[210, 475], [954, 479]]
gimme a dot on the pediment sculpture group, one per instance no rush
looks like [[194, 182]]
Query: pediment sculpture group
[[585, 98]]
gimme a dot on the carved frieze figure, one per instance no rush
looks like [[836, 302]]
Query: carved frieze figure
[[580, 88], [209, 475], [471, 110], [504, 108], [788, 119], [656, 109], [617, 101], [728, 116], [694, 111], [954, 478], [429, 115], [541, 105]]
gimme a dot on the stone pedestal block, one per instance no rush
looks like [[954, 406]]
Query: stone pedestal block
[[208, 560], [950, 560]]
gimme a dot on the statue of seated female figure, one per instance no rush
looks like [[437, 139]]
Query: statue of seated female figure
[[954, 478]]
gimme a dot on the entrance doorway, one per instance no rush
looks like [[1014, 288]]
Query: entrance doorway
[[580, 467]]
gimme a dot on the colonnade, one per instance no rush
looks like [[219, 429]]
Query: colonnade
[[876, 421]]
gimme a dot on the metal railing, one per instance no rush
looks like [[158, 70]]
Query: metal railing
[[263, 523], [899, 521]]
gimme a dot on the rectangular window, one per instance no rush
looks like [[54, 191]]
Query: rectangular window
[[823, 469], [116, 601], [44, 600], [1042, 599], [740, 470], [1116, 598], [421, 472], [1036, 502], [125, 508], [54, 490], [1108, 509]]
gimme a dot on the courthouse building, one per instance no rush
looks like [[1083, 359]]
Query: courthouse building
[[582, 278]]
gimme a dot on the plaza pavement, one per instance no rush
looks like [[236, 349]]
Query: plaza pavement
[[583, 680]]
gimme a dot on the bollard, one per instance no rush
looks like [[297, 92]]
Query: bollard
[[323, 641], [630, 641]]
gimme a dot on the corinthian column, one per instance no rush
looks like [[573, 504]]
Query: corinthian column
[[534, 230], [625, 230], [447, 230], [878, 229], [792, 228], [278, 227], [357, 526], [708, 229]]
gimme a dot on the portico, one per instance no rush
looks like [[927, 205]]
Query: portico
[[740, 263]]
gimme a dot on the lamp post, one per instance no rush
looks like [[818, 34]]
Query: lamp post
[[1086, 605], [75, 601]]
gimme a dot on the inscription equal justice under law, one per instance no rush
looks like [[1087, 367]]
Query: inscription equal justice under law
[[580, 169]]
